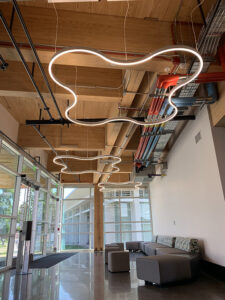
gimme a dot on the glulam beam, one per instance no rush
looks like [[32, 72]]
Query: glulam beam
[[74, 138]]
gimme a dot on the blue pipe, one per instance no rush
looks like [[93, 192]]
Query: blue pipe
[[179, 102]]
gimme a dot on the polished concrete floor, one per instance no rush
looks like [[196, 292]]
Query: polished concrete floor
[[84, 276]]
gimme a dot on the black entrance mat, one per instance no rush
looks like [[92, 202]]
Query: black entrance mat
[[50, 260]]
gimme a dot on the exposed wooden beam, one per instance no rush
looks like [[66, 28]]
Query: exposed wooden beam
[[134, 141], [23, 109], [119, 177], [127, 130], [63, 138], [158, 64], [96, 31], [76, 179], [15, 82], [112, 130]]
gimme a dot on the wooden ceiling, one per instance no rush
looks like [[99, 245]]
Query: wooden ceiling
[[162, 10], [149, 26]]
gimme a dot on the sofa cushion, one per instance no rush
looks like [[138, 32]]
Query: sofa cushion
[[166, 240], [187, 244], [150, 248], [135, 245], [164, 251]]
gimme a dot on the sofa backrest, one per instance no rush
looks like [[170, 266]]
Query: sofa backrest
[[187, 244], [154, 239], [166, 240]]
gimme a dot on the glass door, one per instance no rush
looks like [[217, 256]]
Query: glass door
[[41, 222], [25, 211]]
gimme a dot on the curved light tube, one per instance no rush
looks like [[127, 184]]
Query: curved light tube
[[105, 186], [130, 63], [65, 170]]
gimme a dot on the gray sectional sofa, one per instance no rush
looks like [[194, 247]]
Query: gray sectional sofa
[[168, 259]]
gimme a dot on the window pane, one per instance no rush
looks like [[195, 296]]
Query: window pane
[[54, 188], [7, 186], [39, 240], [75, 241], [41, 206], [3, 250], [26, 202], [111, 211], [112, 227], [77, 219], [40, 229], [76, 193], [44, 180], [5, 226], [8, 157], [112, 238], [52, 210], [127, 216], [29, 170]]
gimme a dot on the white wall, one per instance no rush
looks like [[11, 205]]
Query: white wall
[[8, 125], [189, 201]]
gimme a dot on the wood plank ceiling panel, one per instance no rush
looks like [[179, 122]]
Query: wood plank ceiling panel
[[163, 10]]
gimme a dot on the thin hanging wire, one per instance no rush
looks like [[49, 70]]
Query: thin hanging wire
[[124, 29], [57, 25], [192, 23]]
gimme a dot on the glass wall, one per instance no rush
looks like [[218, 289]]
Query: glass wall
[[77, 218], [7, 190], [127, 216], [32, 196]]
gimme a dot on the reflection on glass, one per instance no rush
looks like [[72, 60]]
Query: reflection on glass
[[44, 180], [8, 157], [39, 241], [29, 170], [25, 209], [75, 241], [54, 188], [112, 238], [3, 250], [76, 193], [77, 219], [127, 216], [7, 188]]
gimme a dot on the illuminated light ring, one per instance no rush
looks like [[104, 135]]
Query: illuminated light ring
[[65, 170], [135, 62], [103, 188]]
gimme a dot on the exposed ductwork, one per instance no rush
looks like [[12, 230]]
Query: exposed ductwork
[[154, 139]]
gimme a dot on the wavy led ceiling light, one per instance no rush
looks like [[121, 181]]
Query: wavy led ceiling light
[[65, 170], [130, 63], [109, 186]]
